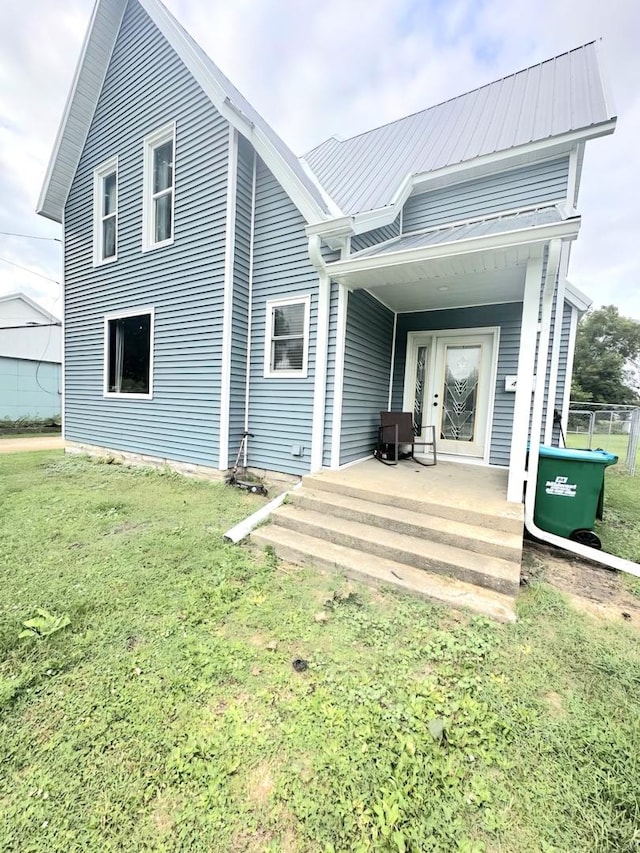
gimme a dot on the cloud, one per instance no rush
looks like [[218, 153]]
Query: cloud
[[314, 70]]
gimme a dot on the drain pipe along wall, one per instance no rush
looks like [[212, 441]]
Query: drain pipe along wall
[[608, 560]]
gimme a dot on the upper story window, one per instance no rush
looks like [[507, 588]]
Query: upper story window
[[287, 337], [159, 187], [128, 353], [105, 212]]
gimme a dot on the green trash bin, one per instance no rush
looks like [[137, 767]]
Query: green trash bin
[[570, 492]]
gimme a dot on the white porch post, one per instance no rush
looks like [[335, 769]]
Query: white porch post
[[555, 346], [524, 384]]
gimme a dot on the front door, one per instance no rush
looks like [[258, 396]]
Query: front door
[[448, 383]]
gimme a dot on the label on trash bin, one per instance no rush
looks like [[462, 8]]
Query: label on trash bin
[[561, 486]]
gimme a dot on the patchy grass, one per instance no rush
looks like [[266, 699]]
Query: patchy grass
[[167, 716]]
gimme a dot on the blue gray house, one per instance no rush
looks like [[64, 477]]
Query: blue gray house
[[214, 281]]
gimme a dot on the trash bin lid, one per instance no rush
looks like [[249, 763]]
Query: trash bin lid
[[600, 456]]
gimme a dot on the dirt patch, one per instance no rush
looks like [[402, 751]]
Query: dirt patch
[[554, 700], [162, 814], [590, 588], [127, 527], [260, 785]]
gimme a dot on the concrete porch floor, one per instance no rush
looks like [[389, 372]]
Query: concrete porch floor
[[476, 492]]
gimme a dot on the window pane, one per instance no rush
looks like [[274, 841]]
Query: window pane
[[287, 355], [109, 200], [288, 320], [163, 225], [163, 167], [460, 393], [129, 354], [109, 237]]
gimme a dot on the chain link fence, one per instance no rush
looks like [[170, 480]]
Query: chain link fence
[[615, 428]]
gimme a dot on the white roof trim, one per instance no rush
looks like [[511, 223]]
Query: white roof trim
[[360, 223], [577, 298], [81, 103], [31, 303], [79, 109], [567, 229]]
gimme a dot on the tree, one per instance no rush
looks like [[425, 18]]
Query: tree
[[607, 345]]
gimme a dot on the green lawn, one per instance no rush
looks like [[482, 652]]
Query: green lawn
[[617, 444], [167, 716]]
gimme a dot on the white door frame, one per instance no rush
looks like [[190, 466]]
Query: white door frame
[[418, 338]]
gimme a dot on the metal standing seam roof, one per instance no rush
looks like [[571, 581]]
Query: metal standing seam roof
[[552, 98], [454, 233]]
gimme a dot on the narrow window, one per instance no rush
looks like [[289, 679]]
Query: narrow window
[[159, 188], [128, 354], [105, 243], [287, 337]]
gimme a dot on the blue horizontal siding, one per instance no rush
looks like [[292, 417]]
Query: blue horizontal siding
[[281, 410], [367, 366], [537, 184], [508, 317], [183, 282]]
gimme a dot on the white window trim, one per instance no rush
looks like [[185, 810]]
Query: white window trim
[[99, 175], [275, 303], [119, 315], [150, 143]]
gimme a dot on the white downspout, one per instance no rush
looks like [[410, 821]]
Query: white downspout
[[587, 553], [322, 346], [247, 387]]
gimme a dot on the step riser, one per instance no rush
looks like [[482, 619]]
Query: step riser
[[453, 513], [419, 561], [432, 534], [502, 610]]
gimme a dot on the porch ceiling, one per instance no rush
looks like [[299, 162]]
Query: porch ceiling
[[484, 287]]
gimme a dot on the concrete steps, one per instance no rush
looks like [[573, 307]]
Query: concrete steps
[[298, 548], [445, 548]]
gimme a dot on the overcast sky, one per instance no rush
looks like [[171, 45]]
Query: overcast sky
[[337, 68]]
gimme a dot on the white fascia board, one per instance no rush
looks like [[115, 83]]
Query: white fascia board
[[567, 229], [107, 16], [338, 227], [577, 298], [554, 146]]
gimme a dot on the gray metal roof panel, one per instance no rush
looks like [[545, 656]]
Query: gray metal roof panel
[[465, 231], [557, 96]]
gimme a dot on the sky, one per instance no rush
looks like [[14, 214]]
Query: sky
[[339, 67]]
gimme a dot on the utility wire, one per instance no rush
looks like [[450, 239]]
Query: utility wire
[[29, 236], [31, 326], [26, 269]]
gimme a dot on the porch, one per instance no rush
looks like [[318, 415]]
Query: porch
[[446, 533], [440, 323]]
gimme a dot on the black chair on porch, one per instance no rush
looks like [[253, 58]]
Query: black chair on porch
[[397, 428]]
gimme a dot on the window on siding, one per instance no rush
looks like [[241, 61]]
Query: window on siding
[[159, 187], [287, 337], [105, 202], [129, 353]]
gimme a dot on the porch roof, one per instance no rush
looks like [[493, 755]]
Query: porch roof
[[464, 231], [483, 261]]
